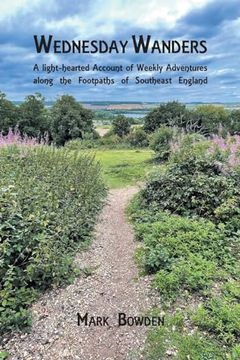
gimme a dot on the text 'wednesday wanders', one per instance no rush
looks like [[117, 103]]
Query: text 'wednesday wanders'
[[137, 44]]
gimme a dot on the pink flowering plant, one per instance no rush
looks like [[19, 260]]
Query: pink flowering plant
[[227, 151], [14, 137]]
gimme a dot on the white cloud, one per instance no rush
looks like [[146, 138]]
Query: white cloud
[[10, 8], [104, 15], [146, 13]]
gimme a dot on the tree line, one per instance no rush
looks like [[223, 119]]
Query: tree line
[[66, 119]]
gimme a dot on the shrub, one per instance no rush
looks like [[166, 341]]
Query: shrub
[[187, 218], [194, 185], [49, 199], [138, 137], [121, 125], [89, 141], [112, 141], [81, 144], [160, 142], [185, 143], [227, 151]]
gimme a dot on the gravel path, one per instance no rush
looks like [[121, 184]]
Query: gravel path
[[113, 287]]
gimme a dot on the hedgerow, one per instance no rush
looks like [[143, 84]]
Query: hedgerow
[[49, 199]]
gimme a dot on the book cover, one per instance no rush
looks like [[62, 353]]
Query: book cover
[[119, 180]]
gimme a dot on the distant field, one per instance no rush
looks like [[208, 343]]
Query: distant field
[[124, 167], [103, 129]]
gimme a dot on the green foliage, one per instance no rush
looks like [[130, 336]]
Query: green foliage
[[8, 114], [89, 141], [138, 137], [81, 144], [187, 218], [121, 125], [112, 141], [234, 121], [220, 316], [169, 114], [173, 341], [192, 274], [193, 185], [33, 119], [211, 117], [185, 254], [235, 353], [69, 120], [4, 355], [160, 141], [49, 199]]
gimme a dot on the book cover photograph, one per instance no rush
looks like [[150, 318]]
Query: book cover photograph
[[119, 180]]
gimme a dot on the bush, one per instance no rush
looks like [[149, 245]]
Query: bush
[[160, 142], [111, 141], [184, 143], [194, 185], [81, 144], [89, 141], [121, 125], [49, 199], [138, 138]]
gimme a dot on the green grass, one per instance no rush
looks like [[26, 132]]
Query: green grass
[[124, 167], [172, 341]]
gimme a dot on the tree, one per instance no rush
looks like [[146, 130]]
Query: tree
[[170, 114], [211, 118], [8, 114], [33, 119], [70, 120], [121, 125]]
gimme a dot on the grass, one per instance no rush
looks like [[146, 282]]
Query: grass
[[124, 167], [174, 342]]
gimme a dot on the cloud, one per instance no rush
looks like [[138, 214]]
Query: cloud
[[217, 22]]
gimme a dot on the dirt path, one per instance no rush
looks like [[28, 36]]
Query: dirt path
[[113, 287]]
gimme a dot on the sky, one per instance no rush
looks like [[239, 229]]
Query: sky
[[216, 21]]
